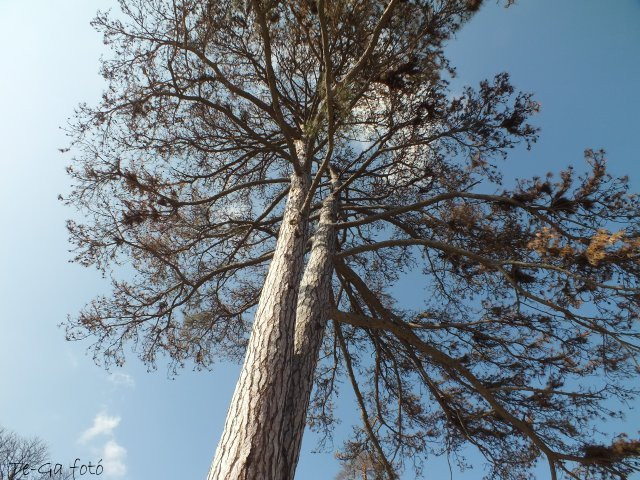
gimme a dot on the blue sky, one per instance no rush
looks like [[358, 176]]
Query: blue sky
[[581, 58]]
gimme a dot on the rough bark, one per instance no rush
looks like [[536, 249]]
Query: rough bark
[[250, 445], [311, 319]]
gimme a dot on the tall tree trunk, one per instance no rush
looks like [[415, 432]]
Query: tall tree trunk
[[251, 443], [311, 320]]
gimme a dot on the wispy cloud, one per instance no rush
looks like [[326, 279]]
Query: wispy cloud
[[113, 458], [121, 379], [103, 424], [73, 360]]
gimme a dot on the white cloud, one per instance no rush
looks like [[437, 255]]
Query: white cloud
[[120, 379], [113, 457], [102, 425], [113, 454]]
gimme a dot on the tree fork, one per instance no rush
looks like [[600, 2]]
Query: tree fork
[[311, 319], [253, 435]]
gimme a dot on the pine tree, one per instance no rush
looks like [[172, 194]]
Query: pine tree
[[271, 168]]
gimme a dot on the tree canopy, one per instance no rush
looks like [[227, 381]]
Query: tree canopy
[[213, 108], [21, 457]]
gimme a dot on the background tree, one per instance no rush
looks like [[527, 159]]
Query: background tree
[[16, 452], [361, 467], [231, 129]]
